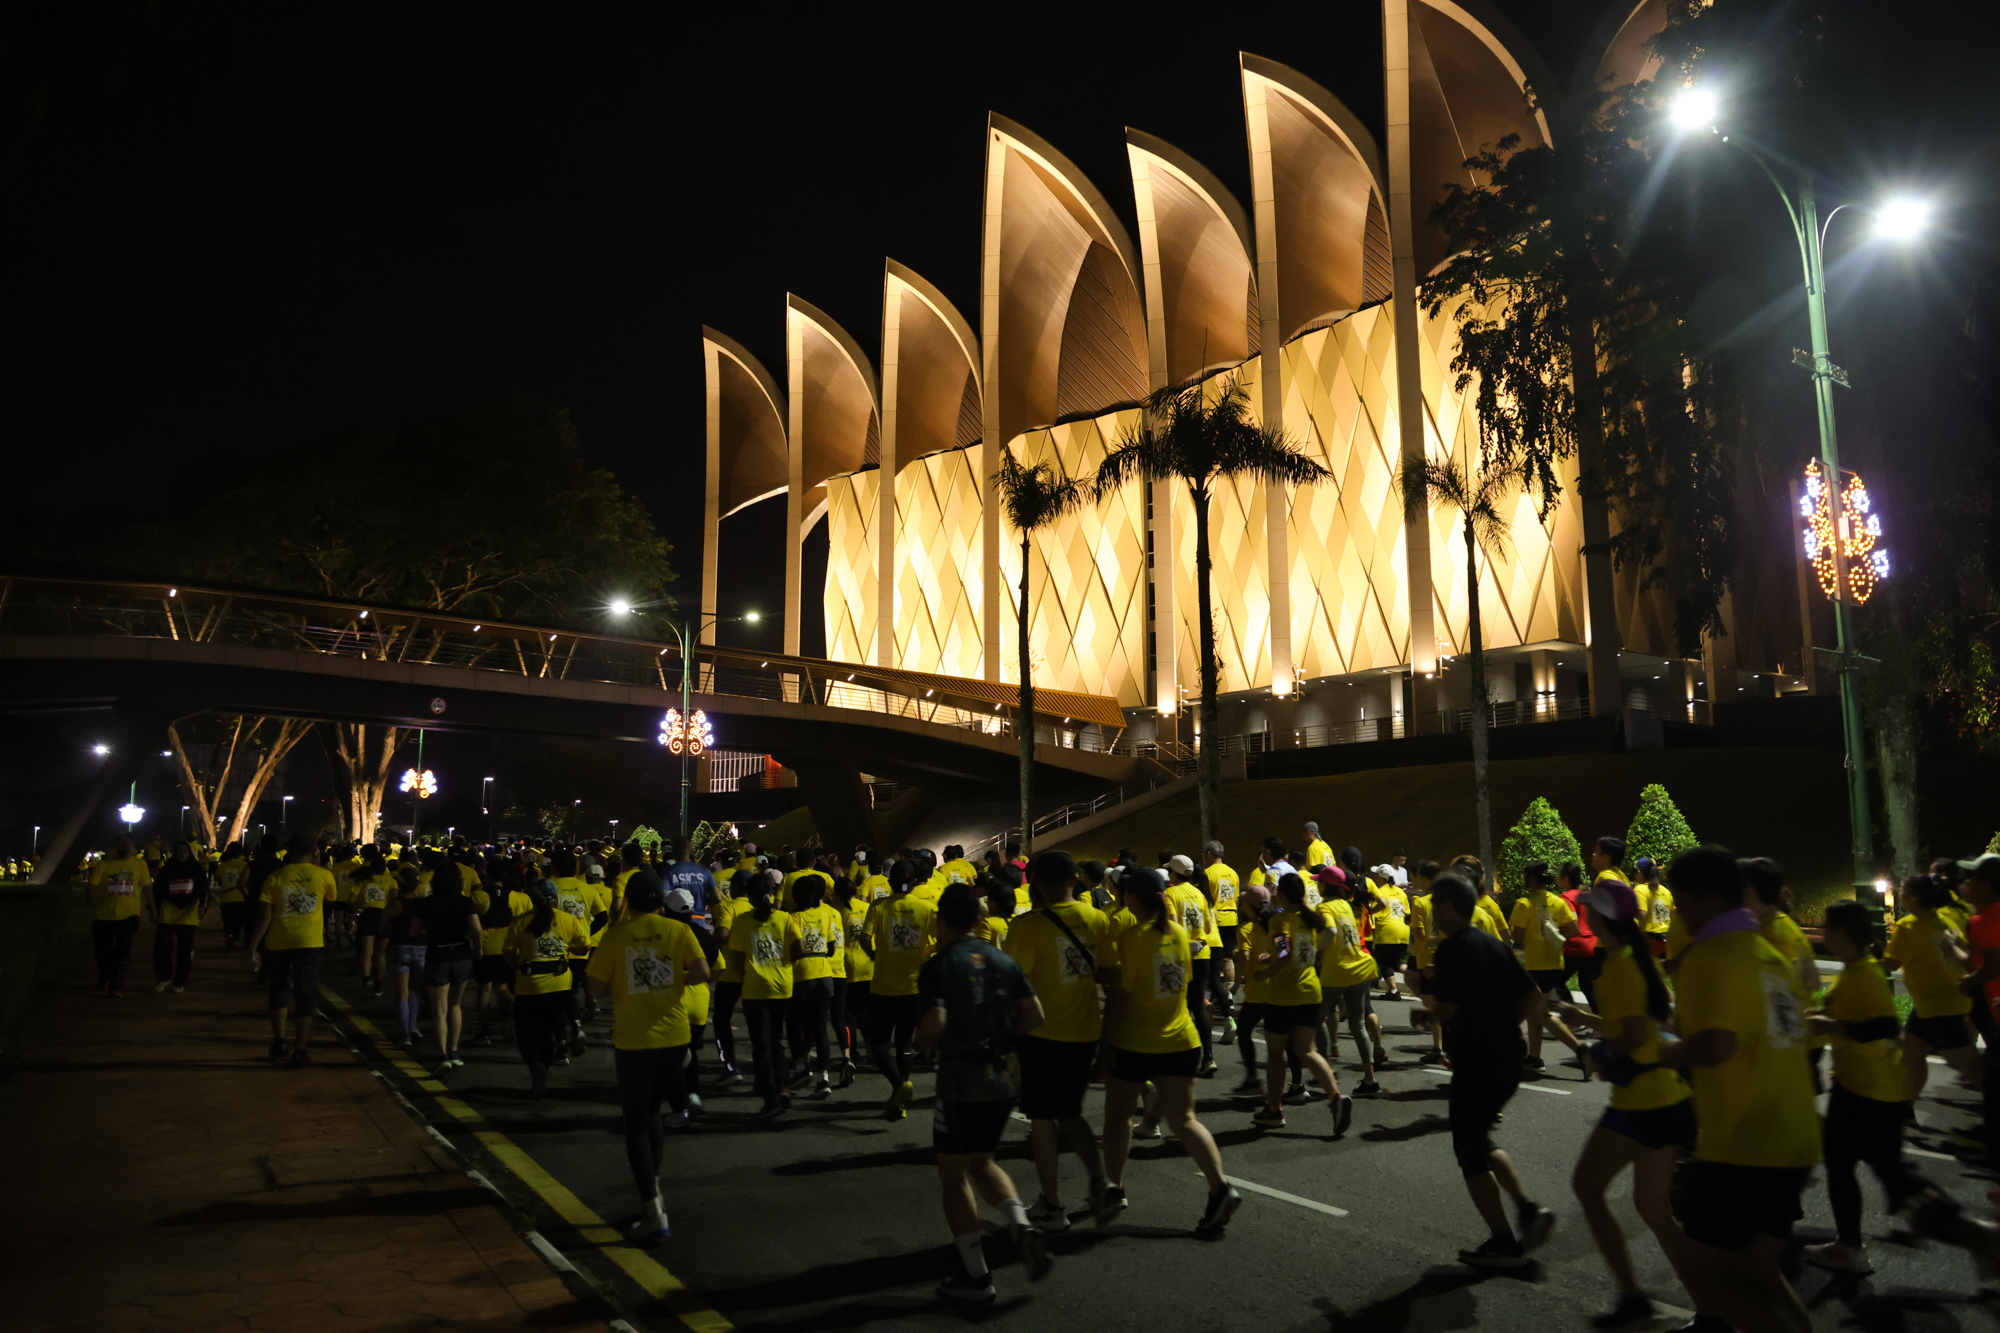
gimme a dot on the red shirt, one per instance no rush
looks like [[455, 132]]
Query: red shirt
[[1584, 942], [1983, 931]]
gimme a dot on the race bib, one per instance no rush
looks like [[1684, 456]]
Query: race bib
[[181, 888], [1169, 976], [119, 886], [1783, 1019], [646, 971]]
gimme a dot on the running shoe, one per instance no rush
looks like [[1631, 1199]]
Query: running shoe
[[1148, 1129], [675, 1120], [1380, 1059], [1343, 1113], [1495, 1253], [1296, 1095], [966, 1289], [277, 1051], [899, 1101], [1368, 1089], [300, 1059], [1035, 1258], [179, 990], [1533, 1062], [694, 1107], [1837, 1258], [1110, 1202], [159, 988], [821, 1089], [729, 1080], [1048, 1217], [1268, 1119], [771, 1109], [457, 1062], [1632, 1308], [846, 1079], [1251, 1086], [1209, 1069], [646, 1230], [801, 1080], [1222, 1205], [1534, 1222]]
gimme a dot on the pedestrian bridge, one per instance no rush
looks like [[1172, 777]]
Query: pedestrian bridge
[[146, 654]]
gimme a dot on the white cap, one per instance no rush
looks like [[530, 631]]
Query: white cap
[[680, 900], [1181, 866]]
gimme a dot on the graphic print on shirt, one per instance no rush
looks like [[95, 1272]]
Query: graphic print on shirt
[[549, 947], [574, 905], [766, 947], [813, 943], [1191, 919], [1169, 976], [1398, 908], [1782, 1016], [301, 901], [1661, 913], [1075, 967], [1350, 937], [903, 933], [646, 971]]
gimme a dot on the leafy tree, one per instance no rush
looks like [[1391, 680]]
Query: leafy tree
[[1538, 835], [1658, 830], [1031, 498], [1477, 496], [491, 512], [648, 838], [1201, 441]]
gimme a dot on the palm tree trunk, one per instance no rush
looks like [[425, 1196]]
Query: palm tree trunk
[[1208, 761], [1024, 715], [1483, 798]]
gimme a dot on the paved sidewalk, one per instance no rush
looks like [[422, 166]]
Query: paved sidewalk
[[162, 1175]]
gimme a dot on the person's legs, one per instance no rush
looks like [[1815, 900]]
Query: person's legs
[[818, 1009], [1353, 1001], [163, 955], [1840, 1149], [1247, 1019], [1605, 1154], [836, 1014], [121, 950], [183, 954], [440, 1020], [100, 943], [277, 971], [728, 994], [1177, 1111], [641, 1085], [1300, 1042], [882, 1039], [1197, 1003], [305, 998], [1120, 1100]]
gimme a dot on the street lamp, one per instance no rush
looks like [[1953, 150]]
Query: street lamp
[[689, 742], [132, 812], [285, 816], [614, 833], [422, 784], [1895, 219]]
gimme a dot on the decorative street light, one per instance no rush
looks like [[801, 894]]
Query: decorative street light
[[422, 784], [1895, 219], [132, 812], [685, 731]]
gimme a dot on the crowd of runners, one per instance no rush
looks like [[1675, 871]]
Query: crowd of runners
[[1017, 985]]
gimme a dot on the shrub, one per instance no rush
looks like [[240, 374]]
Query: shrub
[[1538, 835], [1658, 830]]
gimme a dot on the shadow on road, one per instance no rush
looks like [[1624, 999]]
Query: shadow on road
[[1450, 1303], [1416, 1129], [407, 1203]]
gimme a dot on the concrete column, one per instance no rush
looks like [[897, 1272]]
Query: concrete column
[[885, 499], [1680, 689], [990, 443], [711, 506], [1270, 380], [1718, 659], [795, 494], [1542, 672]]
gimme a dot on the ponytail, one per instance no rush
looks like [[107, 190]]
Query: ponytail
[[1294, 890], [1659, 1003], [1144, 886], [760, 897]]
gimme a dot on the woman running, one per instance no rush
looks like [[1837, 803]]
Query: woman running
[[498, 903], [1929, 945], [377, 887], [996, 908], [452, 924], [402, 940], [180, 896], [1150, 1038], [898, 935], [1651, 1118], [1284, 948], [540, 945], [229, 881], [1347, 970], [760, 943], [818, 956]]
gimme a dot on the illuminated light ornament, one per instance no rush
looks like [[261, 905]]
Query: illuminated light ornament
[[424, 783], [690, 735], [1857, 528], [130, 813]]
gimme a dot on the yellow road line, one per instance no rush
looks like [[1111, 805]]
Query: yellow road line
[[641, 1267]]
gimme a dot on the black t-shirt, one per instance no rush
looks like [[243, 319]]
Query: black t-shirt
[[1480, 975], [978, 986]]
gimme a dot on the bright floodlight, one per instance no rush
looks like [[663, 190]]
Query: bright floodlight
[[751, 617], [621, 607], [1901, 219], [100, 749], [1695, 108]]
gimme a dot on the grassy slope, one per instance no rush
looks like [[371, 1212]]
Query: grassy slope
[[1787, 804]]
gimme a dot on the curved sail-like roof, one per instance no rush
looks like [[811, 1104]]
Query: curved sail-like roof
[[1322, 232], [746, 425], [1617, 52], [1195, 243], [836, 424], [931, 388]]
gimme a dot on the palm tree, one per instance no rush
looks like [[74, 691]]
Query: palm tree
[[1032, 498], [1451, 484], [1186, 436]]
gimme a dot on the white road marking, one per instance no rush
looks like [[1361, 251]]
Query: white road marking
[[1268, 1192], [1934, 1156], [550, 1252], [1525, 1087]]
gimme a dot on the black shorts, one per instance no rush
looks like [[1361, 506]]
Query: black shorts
[[1388, 958], [1228, 934], [492, 969], [447, 967], [1478, 1093], [1146, 1066], [293, 974], [1054, 1075], [1723, 1205], [370, 922], [1657, 1127], [892, 1015], [1282, 1018], [1549, 979], [1941, 1032], [1424, 981], [959, 1129]]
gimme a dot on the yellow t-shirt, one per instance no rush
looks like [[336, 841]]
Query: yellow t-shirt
[[1422, 941], [296, 895], [1677, 938], [377, 890], [1542, 956], [1290, 977], [229, 879], [1621, 994], [1024, 899], [1486, 916], [1658, 912], [1874, 1069], [1190, 908], [563, 940], [603, 898], [1223, 886], [646, 961], [1346, 961], [872, 888], [1784, 935], [1153, 972], [1317, 854], [902, 930], [931, 889], [860, 967], [1064, 977], [494, 941], [116, 886], [577, 899], [1391, 921], [822, 942], [1931, 977], [992, 929], [1755, 1108], [959, 871], [726, 911], [766, 949], [785, 900], [181, 908]]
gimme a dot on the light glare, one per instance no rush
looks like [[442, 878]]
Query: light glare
[[1695, 109], [621, 607], [1902, 219]]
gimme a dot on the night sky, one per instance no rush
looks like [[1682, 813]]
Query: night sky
[[238, 227]]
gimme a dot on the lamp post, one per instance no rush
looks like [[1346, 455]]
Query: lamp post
[[684, 634], [1697, 109], [421, 783], [484, 809], [284, 816]]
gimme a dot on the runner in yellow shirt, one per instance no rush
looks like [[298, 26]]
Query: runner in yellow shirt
[[1188, 901], [819, 958], [499, 905], [1223, 888], [996, 908], [1657, 903], [1541, 923], [899, 934], [850, 991], [1318, 851], [118, 898], [539, 945], [732, 900], [1347, 973], [1389, 938], [291, 924], [760, 941], [1283, 954], [1929, 945], [1423, 949], [1769, 899], [229, 873]]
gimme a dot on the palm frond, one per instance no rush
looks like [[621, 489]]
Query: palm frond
[[1034, 497]]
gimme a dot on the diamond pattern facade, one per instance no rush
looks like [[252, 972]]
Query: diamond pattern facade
[[851, 584], [938, 578]]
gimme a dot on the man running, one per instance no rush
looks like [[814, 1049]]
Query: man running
[[1483, 997], [292, 922], [976, 1002]]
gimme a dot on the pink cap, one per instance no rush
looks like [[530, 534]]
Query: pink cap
[[1613, 898]]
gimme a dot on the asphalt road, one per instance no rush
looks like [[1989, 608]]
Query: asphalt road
[[828, 1217]]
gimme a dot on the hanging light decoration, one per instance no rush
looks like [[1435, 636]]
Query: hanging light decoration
[[689, 735], [1858, 528], [423, 782]]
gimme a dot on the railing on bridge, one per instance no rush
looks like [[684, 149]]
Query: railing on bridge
[[35, 606]]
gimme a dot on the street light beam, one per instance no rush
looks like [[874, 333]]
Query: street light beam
[[1694, 109], [1902, 219]]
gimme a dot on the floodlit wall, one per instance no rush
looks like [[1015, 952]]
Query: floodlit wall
[[852, 585]]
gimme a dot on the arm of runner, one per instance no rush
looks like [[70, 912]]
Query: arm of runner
[[1709, 1047], [1989, 968], [1027, 1014], [698, 971], [931, 1028], [258, 931], [597, 987]]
